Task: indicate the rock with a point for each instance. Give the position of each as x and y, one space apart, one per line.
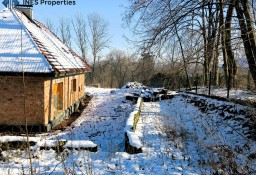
252 156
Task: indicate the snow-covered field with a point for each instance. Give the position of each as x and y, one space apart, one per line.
177 139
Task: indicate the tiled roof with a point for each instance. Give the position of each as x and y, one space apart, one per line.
28 46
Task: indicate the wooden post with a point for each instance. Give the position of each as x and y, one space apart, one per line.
209 92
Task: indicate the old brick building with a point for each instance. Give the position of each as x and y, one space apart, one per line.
41 79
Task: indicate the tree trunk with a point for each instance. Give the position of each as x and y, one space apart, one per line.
215 49
209 36
223 40
188 85
206 68
232 67
216 63
249 81
247 36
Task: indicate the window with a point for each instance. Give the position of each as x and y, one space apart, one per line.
73 85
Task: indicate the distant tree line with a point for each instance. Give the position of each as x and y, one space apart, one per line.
178 43
199 36
121 67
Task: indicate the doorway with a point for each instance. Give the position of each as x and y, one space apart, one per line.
58 96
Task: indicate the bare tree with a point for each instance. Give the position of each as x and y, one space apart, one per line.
145 67
231 62
98 39
120 66
159 23
65 30
50 25
183 56
79 26
210 15
117 68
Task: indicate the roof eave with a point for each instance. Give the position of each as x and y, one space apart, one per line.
32 74
66 74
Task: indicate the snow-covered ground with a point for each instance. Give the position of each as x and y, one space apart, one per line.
233 93
102 121
162 154
177 139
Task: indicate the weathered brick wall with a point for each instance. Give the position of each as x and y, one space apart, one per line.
35 103
19 105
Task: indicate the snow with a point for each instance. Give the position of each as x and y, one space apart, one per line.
60 52
177 138
172 93
134 139
47 143
211 131
23 43
17 138
134 85
130 121
233 93
18 52
80 144
95 91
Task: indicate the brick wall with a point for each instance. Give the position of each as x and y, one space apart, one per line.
35 103
19 104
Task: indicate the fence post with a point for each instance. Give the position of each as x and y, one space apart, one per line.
228 88
179 82
196 82
196 86
210 77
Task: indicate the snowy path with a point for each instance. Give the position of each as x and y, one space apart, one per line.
161 142
179 139
105 126
162 153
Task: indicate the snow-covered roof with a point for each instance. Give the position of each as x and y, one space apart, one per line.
28 46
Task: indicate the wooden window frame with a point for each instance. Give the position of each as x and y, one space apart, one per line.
74 85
